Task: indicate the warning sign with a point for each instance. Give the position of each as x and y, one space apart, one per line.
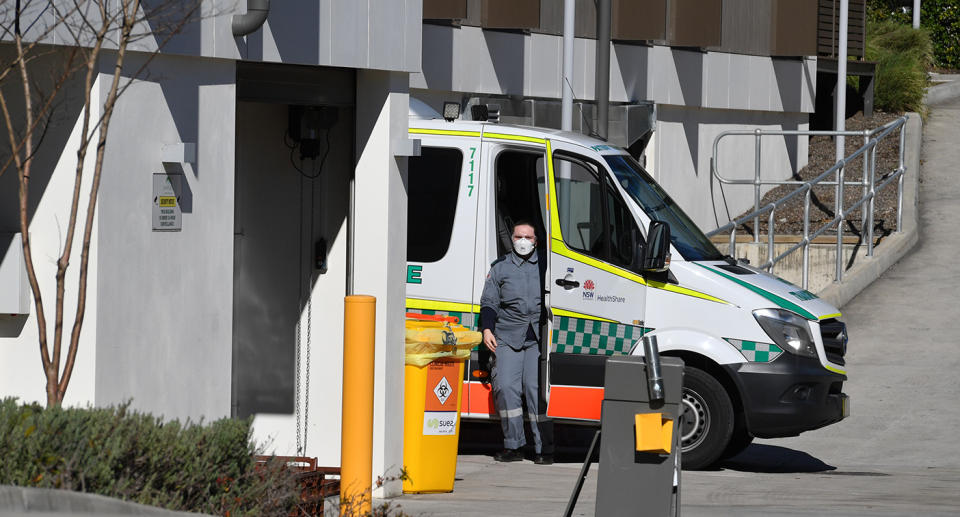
440 408
442 386
167 190
442 390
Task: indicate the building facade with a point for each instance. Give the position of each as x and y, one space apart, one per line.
286 151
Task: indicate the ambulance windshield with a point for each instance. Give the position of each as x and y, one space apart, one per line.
684 234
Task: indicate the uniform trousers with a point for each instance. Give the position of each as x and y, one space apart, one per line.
514 378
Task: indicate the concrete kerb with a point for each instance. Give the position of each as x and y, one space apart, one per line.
894 247
38 502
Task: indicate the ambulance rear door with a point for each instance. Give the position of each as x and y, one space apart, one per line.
442 188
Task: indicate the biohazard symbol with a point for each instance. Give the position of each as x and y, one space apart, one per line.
442 390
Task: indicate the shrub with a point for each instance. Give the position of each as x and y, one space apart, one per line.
121 453
903 55
941 18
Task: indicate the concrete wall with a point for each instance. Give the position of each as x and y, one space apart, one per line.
380 250
469 59
697 94
375 34
164 328
269 298
680 152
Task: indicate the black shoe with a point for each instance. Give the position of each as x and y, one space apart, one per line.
543 459
508 455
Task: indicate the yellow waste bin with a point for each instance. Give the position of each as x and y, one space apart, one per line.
436 348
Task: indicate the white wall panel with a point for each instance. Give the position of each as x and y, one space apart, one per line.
168 297
21 374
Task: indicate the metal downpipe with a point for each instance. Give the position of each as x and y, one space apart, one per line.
603 69
252 20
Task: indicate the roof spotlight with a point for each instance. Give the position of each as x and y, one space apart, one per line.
451 111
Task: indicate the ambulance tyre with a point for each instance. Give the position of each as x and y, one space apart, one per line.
707 419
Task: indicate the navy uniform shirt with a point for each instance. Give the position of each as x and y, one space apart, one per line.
512 299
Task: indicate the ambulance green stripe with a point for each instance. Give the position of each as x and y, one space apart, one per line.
786 304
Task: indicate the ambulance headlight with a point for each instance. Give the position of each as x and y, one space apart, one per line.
789 331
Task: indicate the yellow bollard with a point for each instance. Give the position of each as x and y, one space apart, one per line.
356 442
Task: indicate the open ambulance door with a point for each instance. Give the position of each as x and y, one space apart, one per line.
513 188
597 298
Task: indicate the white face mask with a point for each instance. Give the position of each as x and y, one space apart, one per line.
523 246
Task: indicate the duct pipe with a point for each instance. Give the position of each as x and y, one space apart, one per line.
841 106
250 21
916 14
566 86
603 69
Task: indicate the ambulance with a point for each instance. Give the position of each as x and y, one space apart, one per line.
764 358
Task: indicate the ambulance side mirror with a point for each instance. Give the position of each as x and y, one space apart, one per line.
656 254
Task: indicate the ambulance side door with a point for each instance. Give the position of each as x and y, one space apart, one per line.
512 189
597 296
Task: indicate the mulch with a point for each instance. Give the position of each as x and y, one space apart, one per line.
788 219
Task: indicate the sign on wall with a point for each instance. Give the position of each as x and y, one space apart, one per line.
166 202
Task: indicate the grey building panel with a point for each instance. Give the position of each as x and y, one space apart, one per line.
413 46
386 28
349 34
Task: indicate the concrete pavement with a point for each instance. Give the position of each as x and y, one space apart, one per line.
897 454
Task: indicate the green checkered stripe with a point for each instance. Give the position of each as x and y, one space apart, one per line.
756 352
592 337
471 320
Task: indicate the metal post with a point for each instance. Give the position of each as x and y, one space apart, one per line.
756 187
839 218
572 503
916 14
770 240
865 215
806 238
903 172
603 68
873 196
733 241
841 106
566 85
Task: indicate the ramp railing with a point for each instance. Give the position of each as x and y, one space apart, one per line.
833 176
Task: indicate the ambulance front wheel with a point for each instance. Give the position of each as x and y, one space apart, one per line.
707 425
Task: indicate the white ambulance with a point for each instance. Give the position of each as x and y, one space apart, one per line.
764 358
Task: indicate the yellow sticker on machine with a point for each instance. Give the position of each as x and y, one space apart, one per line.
167 201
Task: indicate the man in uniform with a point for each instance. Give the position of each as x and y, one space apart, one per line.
510 316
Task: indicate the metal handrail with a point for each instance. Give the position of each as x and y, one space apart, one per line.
868 150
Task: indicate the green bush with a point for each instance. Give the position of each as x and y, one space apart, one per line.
120 453
941 18
903 55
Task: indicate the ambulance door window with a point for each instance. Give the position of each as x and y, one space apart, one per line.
623 230
433 181
583 198
580 207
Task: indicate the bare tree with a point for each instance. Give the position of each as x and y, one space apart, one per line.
85 35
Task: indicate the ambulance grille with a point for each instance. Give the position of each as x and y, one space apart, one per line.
834 334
